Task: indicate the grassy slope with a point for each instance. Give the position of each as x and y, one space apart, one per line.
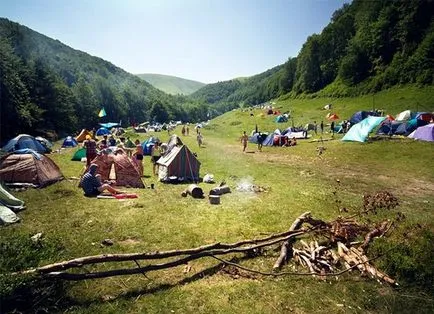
171 84
299 181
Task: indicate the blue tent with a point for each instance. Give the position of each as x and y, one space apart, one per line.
409 126
268 141
102 131
23 141
281 119
148 144
360 131
69 142
361 115
389 127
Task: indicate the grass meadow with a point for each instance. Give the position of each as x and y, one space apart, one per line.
296 180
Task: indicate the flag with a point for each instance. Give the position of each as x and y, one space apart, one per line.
102 113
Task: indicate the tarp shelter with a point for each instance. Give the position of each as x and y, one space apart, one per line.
424 133
32 168
333 117
109 125
82 136
361 115
24 141
403 116
148 144
120 168
360 131
79 154
102 131
179 162
69 142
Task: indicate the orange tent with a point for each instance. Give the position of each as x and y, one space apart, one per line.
333 117
390 117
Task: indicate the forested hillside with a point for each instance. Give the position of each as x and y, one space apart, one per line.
171 84
46 85
367 46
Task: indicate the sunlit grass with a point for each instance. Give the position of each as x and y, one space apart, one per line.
296 180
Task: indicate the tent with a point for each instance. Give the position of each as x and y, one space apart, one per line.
79 154
403 116
424 133
268 141
23 141
46 143
32 168
82 136
388 127
360 115
69 142
173 141
360 131
281 119
425 116
102 131
332 117
148 144
328 107
120 168
409 126
179 162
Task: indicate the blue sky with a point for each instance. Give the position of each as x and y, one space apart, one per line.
204 40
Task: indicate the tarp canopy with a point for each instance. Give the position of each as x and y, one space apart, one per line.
424 133
23 141
28 168
360 131
109 125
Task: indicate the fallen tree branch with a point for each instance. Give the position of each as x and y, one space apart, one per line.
375 233
287 245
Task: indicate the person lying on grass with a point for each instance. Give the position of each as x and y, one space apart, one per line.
91 183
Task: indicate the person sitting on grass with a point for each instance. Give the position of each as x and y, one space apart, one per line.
91 183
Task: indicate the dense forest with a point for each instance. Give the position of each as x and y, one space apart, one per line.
367 46
48 87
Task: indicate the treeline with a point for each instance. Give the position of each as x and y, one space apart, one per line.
48 87
367 46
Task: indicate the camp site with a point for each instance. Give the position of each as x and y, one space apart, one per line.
262 194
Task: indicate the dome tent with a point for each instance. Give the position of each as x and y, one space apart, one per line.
24 141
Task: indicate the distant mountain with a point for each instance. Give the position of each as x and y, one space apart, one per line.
171 84
46 85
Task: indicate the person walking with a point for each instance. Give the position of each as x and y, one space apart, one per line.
315 127
332 128
90 145
322 127
244 140
199 138
138 156
155 155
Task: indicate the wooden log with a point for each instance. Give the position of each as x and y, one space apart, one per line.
374 233
195 191
220 190
287 245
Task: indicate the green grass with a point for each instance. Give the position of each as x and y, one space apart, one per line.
297 181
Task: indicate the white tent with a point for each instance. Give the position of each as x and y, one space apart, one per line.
403 116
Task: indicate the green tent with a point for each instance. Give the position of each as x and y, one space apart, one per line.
79 154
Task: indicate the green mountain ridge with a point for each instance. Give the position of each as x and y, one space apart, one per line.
368 46
172 85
